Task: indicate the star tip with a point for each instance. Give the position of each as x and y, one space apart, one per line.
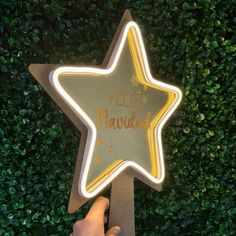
33 67
127 16
30 67
70 210
128 13
180 93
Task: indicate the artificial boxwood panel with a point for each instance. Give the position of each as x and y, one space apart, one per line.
191 44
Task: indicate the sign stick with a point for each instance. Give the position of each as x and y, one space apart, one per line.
122 204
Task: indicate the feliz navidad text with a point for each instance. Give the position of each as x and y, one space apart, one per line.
118 99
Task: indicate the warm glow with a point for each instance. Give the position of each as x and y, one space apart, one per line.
130 33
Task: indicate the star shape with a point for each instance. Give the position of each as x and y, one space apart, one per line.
118 101
111 149
106 103
97 160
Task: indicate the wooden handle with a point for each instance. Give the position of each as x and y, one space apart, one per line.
122 204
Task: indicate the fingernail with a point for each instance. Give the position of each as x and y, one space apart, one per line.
116 229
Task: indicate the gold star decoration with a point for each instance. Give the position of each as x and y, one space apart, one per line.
97 160
106 103
99 141
111 149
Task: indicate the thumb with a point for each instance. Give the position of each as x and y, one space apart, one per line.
114 231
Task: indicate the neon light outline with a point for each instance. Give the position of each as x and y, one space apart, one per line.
92 132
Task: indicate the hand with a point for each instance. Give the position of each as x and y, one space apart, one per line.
93 223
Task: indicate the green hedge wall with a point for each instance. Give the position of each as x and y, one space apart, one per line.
191 44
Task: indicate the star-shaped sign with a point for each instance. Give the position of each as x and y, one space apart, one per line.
123 109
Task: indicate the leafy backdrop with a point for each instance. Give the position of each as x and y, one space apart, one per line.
191 44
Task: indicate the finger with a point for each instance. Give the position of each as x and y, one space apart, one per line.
114 231
98 208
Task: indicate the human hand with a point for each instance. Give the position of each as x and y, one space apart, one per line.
93 223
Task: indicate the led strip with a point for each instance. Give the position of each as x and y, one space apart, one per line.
92 132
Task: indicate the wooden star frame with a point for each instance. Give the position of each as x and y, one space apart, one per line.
121 175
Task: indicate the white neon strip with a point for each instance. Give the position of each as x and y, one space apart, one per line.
92 132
